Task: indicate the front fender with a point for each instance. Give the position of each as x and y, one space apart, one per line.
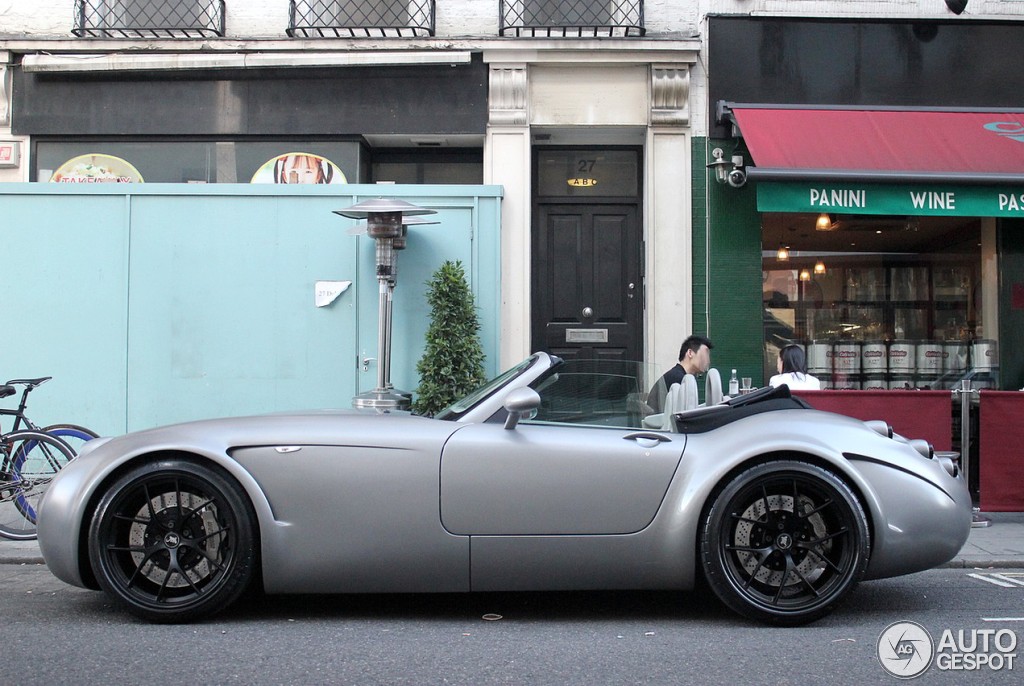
67 506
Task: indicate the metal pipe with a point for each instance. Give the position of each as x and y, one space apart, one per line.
965 430
382 335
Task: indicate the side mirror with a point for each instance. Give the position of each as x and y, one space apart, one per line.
522 402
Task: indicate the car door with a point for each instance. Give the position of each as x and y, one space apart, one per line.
554 479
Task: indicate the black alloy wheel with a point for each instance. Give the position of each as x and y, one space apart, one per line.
784 542
174 541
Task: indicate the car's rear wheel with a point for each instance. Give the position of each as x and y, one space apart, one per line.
784 542
174 540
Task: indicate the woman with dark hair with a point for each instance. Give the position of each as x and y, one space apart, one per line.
793 370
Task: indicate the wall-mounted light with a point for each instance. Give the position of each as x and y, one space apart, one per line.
824 222
782 254
819 267
805 274
728 171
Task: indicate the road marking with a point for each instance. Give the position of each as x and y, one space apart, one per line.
1010 578
996 580
1002 619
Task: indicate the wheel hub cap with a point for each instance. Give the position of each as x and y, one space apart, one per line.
172 540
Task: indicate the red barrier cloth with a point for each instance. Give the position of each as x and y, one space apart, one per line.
912 414
1001 451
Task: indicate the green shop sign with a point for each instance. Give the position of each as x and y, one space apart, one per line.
909 199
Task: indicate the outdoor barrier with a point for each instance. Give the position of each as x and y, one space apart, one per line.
1001 463
912 414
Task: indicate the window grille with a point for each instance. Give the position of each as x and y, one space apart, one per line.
360 18
572 18
149 18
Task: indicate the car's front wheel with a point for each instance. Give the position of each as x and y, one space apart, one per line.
784 542
174 540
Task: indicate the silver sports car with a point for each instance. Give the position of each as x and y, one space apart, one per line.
554 476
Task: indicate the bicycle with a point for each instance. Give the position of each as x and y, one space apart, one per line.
72 434
28 461
29 457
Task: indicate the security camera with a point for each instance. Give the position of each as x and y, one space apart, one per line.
737 178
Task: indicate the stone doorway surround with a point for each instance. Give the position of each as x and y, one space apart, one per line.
608 93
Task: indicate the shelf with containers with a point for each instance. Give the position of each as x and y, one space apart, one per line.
865 323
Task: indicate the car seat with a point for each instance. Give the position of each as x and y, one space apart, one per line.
712 387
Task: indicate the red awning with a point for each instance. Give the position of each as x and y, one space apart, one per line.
883 143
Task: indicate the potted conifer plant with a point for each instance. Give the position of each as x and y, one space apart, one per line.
452 363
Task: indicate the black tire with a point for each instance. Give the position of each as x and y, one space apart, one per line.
174 541
30 462
784 542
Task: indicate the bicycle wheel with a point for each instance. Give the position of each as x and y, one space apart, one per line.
72 434
31 458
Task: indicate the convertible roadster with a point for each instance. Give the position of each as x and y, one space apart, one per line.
553 476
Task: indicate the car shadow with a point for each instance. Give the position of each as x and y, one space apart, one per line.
526 606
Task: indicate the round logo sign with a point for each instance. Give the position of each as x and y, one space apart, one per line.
299 167
905 650
96 168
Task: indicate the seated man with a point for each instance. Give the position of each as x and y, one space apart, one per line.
694 358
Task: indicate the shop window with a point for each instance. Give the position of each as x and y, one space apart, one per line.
572 18
444 166
360 18
879 302
149 18
197 161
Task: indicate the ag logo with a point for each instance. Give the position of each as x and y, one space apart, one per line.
905 650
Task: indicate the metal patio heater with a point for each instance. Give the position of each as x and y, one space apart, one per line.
384 224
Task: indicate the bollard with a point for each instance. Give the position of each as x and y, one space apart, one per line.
965 392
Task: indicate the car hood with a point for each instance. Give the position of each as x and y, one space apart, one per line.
322 427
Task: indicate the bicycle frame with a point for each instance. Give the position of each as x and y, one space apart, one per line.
20 418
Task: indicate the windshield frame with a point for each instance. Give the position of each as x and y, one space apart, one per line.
463 405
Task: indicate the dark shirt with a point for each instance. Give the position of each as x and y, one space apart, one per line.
656 398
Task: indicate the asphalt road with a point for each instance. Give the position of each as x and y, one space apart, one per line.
52 633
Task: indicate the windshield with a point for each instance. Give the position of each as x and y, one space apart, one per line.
459 407
598 392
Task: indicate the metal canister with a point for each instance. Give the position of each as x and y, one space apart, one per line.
819 357
874 357
954 358
901 357
846 382
929 358
875 382
984 354
846 357
901 382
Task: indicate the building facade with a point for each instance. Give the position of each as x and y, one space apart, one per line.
597 119
582 112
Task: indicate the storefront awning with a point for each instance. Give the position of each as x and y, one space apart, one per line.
885 161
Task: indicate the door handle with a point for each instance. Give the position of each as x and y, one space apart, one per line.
647 436
587 313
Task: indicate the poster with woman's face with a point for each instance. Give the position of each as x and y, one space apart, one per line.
299 167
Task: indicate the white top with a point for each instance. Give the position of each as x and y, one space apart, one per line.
796 381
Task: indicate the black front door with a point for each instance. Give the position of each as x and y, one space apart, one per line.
587 292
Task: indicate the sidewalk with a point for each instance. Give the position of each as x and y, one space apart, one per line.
999 545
